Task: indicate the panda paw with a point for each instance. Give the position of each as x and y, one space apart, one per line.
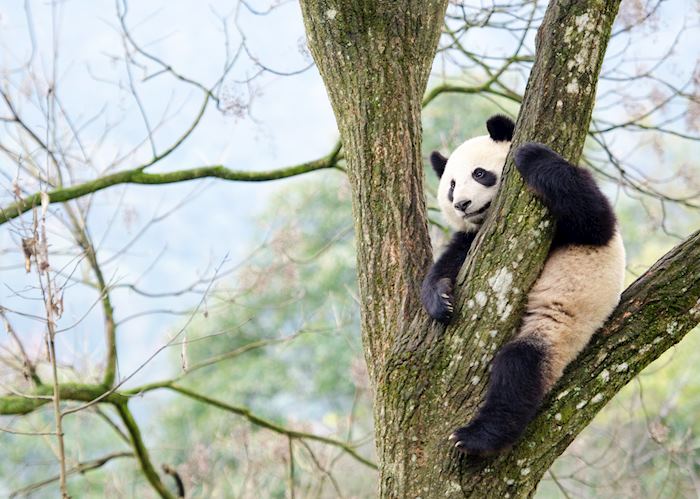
437 299
475 439
531 157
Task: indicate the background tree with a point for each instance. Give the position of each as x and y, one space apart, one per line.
288 316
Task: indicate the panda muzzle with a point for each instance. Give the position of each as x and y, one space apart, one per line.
480 211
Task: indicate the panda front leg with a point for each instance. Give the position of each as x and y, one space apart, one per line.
437 290
583 213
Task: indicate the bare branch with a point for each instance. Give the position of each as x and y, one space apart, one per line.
258 421
80 468
137 176
141 453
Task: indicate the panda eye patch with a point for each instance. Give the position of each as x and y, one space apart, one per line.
451 192
484 177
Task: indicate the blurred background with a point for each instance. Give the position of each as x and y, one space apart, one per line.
232 303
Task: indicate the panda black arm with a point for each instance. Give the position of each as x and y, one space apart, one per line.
436 292
583 213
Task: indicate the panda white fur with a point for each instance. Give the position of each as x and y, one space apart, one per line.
578 288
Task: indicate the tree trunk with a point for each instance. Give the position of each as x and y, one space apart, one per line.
374 57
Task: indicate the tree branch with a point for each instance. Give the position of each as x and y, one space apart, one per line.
257 420
375 59
24 404
445 88
138 176
515 241
142 452
82 236
79 468
27 365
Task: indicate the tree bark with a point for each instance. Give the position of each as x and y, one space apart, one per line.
374 57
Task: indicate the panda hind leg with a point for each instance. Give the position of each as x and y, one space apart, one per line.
515 392
583 213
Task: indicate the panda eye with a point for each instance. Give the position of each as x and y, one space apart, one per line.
478 173
452 184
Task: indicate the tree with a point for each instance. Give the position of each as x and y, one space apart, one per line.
375 58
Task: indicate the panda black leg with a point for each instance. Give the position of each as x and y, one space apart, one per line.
515 392
583 213
436 292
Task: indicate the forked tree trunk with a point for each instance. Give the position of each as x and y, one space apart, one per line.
375 57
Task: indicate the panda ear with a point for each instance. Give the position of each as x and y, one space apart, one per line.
438 161
500 128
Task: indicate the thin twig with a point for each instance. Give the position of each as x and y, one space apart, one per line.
79 468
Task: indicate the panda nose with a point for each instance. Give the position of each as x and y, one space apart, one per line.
463 205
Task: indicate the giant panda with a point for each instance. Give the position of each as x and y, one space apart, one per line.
578 288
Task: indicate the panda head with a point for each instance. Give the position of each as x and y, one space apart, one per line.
470 178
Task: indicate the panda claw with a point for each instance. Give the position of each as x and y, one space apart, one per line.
437 299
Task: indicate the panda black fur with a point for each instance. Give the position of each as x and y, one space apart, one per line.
578 288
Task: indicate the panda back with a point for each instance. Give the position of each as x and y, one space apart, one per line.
576 292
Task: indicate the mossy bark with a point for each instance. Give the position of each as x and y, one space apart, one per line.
83 392
374 57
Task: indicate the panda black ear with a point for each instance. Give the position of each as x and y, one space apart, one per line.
500 127
438 161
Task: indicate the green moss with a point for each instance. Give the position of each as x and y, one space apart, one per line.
14 404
